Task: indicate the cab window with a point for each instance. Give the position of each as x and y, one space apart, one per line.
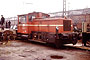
22 19
31 17
44 16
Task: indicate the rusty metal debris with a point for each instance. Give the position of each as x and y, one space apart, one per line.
6 36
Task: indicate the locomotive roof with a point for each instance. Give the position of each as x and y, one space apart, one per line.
33 13
50 18
37 12
22 15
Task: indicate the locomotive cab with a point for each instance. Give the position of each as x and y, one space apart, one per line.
26 20
22 21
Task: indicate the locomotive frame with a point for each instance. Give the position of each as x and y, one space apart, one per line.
41 27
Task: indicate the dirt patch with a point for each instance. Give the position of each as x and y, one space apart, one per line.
22 55
56 57
18 50
41 59
29 51
4 52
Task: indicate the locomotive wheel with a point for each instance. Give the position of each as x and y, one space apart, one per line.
18 36
74 40
58 43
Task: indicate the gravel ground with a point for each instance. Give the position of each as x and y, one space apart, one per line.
19 50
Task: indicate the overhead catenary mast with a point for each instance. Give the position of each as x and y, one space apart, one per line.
64 8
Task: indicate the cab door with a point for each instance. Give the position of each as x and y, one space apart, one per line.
22 24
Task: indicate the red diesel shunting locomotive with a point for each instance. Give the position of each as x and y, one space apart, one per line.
40 27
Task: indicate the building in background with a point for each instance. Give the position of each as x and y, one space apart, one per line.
13 20
78 16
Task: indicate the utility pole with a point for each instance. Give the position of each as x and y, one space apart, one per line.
68 9
64 8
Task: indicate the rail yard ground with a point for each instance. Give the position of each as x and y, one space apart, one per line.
21 50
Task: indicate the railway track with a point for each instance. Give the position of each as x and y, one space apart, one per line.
79 46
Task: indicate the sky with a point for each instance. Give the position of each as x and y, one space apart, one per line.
11 8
